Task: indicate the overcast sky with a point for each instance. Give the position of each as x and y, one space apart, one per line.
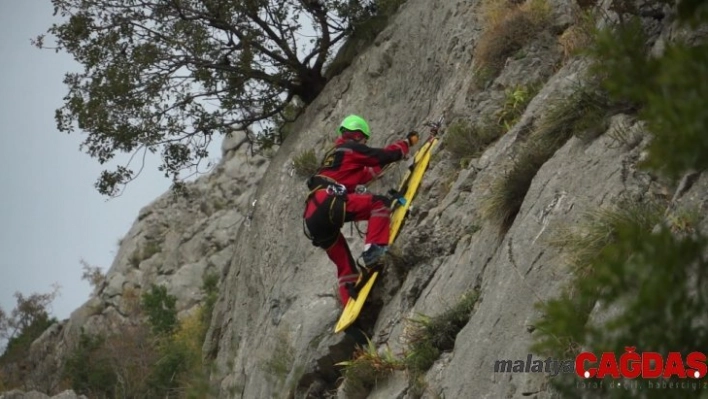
51 214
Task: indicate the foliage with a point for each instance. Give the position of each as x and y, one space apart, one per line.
177 356
165 77
189 338
210 286
306 163
466 141
666 90
566 317
508 191
19 345
16 360
160 309
630 276
599 228
160 359
88 372
584 113
645 278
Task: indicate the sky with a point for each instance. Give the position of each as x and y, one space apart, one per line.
51 216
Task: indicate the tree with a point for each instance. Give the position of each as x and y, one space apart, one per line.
26 322
93 274
161 309
167 75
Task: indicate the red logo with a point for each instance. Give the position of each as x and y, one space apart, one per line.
646 365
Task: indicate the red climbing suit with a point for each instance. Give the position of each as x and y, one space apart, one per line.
349 164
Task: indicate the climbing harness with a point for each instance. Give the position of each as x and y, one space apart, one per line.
335 206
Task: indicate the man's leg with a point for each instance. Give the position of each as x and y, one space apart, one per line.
340 254
375 209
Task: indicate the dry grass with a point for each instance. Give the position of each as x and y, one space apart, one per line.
573 40
584 114
492 12
508 27
465 141
578 36
508 191
582 242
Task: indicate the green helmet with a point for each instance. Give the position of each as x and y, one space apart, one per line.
355 123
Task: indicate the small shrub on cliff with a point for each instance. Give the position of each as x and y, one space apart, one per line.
509 190
465 141
368 367
180 366
430 336
93 274
16 358
515 101
427 338
306 163
282 360
129 354
677 118
585 113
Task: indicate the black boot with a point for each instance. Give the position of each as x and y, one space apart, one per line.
356 335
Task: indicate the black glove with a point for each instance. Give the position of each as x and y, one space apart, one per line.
412 138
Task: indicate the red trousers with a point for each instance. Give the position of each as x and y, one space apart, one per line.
324 216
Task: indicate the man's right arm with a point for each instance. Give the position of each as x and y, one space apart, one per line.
371 156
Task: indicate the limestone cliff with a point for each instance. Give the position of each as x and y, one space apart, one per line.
277 299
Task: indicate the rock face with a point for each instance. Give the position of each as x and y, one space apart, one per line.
39 395
277 301
175 242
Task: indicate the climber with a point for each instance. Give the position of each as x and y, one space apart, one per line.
333 199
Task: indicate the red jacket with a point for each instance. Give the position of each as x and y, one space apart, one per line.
351 163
